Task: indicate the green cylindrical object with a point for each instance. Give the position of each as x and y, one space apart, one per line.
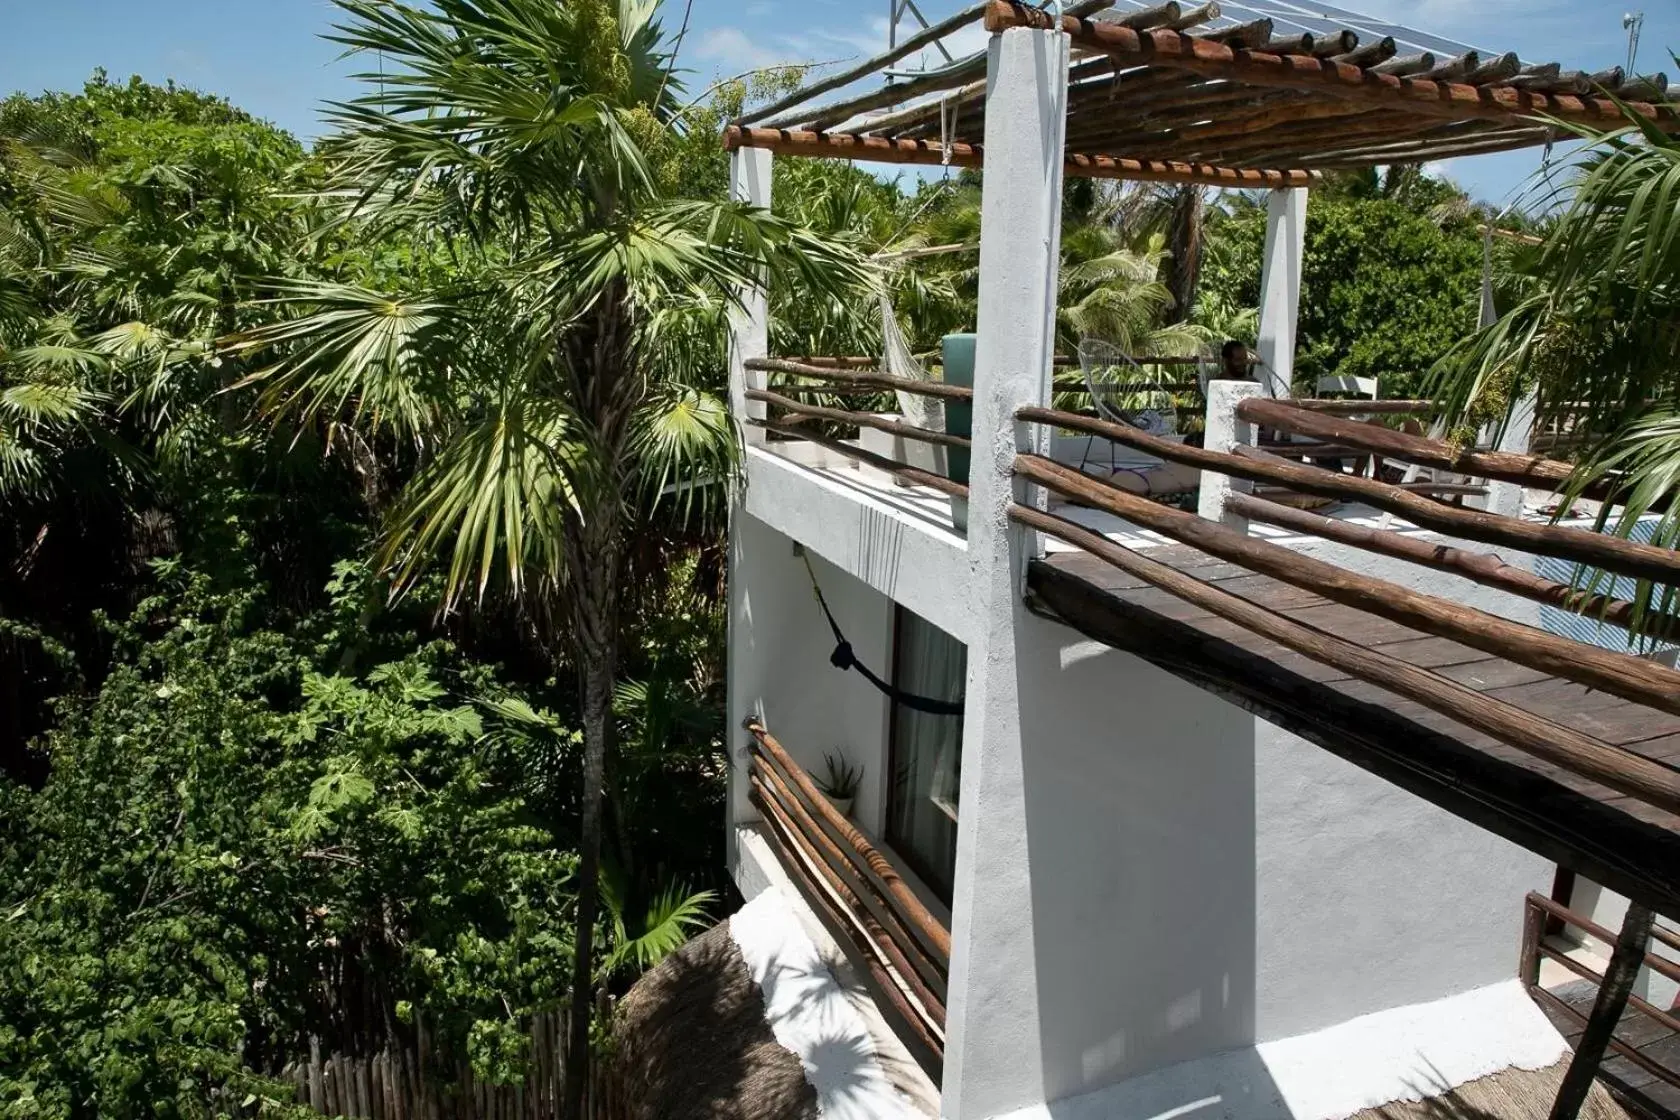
959 415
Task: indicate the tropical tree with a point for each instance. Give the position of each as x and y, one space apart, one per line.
520 138
1595 330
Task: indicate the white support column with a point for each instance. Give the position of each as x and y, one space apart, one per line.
1280 287
1226 431
1506 498
749 323
997 1066
749 337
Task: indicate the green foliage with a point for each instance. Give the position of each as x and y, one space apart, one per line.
1387 289
225 827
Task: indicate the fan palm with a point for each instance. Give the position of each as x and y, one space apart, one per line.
514 136
1596 328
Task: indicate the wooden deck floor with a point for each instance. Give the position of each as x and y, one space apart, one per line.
1635 1084
1598 831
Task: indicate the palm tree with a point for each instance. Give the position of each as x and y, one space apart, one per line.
1595 328
516 141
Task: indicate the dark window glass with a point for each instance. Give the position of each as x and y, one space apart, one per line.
926 752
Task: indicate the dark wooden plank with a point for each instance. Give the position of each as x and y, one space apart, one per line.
1629 856
1270 592
1663 747
1433 653
1605 717
1490 672
1353 624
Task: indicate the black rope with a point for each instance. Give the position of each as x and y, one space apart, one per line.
844 658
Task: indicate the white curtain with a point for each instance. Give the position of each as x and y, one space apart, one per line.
927 752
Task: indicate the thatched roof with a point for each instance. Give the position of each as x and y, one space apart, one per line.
1512 1094
693 1042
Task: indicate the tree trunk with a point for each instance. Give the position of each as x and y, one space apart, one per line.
1185 268
599 669
1607 1010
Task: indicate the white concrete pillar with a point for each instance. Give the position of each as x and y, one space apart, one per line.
749 323
1506 498
999 1067
1224 432
1280 288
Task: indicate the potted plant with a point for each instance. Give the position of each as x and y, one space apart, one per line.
840 785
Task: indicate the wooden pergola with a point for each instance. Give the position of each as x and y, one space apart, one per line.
1183 93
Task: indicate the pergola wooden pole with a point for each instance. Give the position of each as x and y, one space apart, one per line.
1632 678
1532 734
869 66
882 149
1607 1011
1445 99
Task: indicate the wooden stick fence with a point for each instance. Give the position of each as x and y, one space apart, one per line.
404 1081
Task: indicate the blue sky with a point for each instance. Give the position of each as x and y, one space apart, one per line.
266 55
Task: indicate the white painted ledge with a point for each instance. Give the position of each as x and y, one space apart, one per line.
898 540
1408 1053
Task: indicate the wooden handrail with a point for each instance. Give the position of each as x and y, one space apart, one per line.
883 380
933 973
1502 466
1360 408
1482 567
1580 754
1643 1061
1632 678
935 936
1660 965
862 419
1596 550
915 476
860 922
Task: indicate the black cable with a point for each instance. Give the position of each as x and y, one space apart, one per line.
844 658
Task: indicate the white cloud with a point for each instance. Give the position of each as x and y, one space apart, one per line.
732 50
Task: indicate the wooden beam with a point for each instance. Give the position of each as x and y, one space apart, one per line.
913 476
1446 99
881 149
1619 674
1482 567
1595 550
1633 857
864 69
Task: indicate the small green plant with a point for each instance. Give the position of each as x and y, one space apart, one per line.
843 778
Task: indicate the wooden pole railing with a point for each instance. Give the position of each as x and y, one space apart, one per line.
927 974
1595 550
1368 408
1481 567
862 419
914 476
1537 909
1632 678
1297 417
878 380
1580 754
936 939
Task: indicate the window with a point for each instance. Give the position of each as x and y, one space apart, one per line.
926 751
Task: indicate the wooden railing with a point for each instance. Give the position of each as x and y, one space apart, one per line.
1537 910
857 891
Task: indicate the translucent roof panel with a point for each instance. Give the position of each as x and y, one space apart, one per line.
1293 18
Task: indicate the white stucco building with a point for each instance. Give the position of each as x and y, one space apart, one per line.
1166 896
